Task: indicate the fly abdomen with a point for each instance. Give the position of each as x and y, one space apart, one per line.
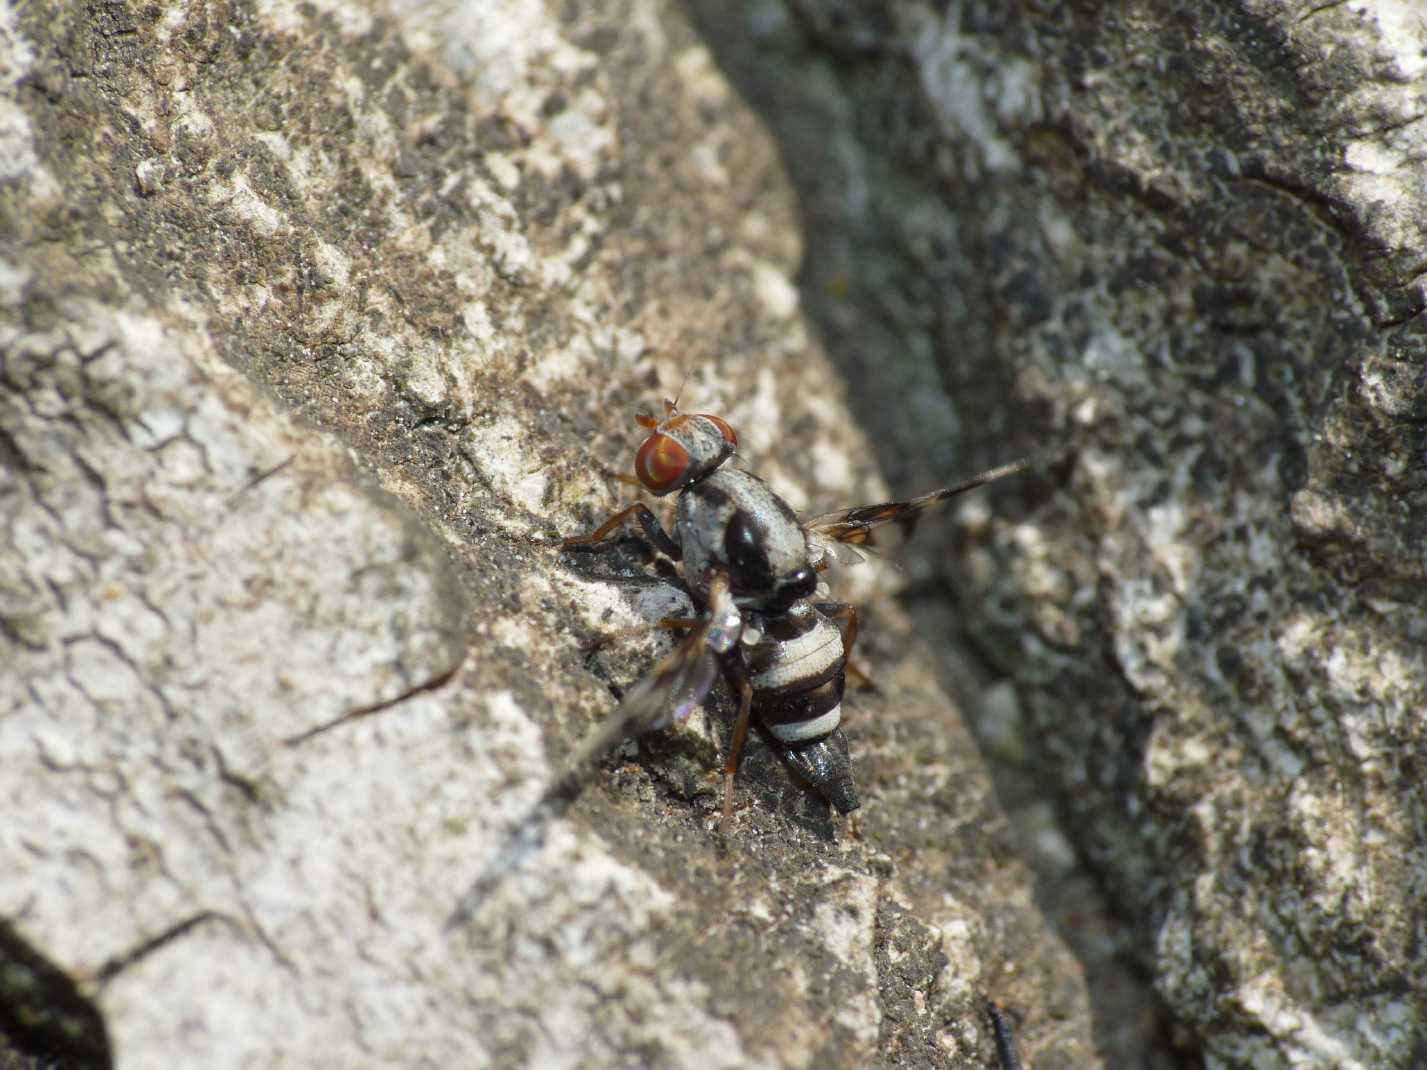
804 727
800 716
797 669
797 666
826 765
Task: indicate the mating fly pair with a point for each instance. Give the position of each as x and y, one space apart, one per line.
754 571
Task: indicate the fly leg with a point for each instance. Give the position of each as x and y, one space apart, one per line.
844 615
663 624
735 745
653 531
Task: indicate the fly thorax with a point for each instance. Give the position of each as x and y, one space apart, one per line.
733 522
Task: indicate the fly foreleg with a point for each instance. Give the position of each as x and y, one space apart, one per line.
648 522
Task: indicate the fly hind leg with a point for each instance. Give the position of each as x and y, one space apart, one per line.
844 615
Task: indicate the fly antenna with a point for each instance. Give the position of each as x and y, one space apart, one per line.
673 405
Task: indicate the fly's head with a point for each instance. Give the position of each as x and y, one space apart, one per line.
681 449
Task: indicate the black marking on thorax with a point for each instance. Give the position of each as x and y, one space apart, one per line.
738 524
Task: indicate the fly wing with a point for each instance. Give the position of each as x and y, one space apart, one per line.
824 551
677 684
834 533
670 692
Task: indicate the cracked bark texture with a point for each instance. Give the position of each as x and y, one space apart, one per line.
317 326
1185 243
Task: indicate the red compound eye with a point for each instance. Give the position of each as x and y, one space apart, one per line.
660 463
729 435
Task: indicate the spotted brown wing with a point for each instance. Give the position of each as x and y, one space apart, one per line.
831 534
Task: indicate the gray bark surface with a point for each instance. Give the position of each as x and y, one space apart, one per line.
318 327
1184 243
